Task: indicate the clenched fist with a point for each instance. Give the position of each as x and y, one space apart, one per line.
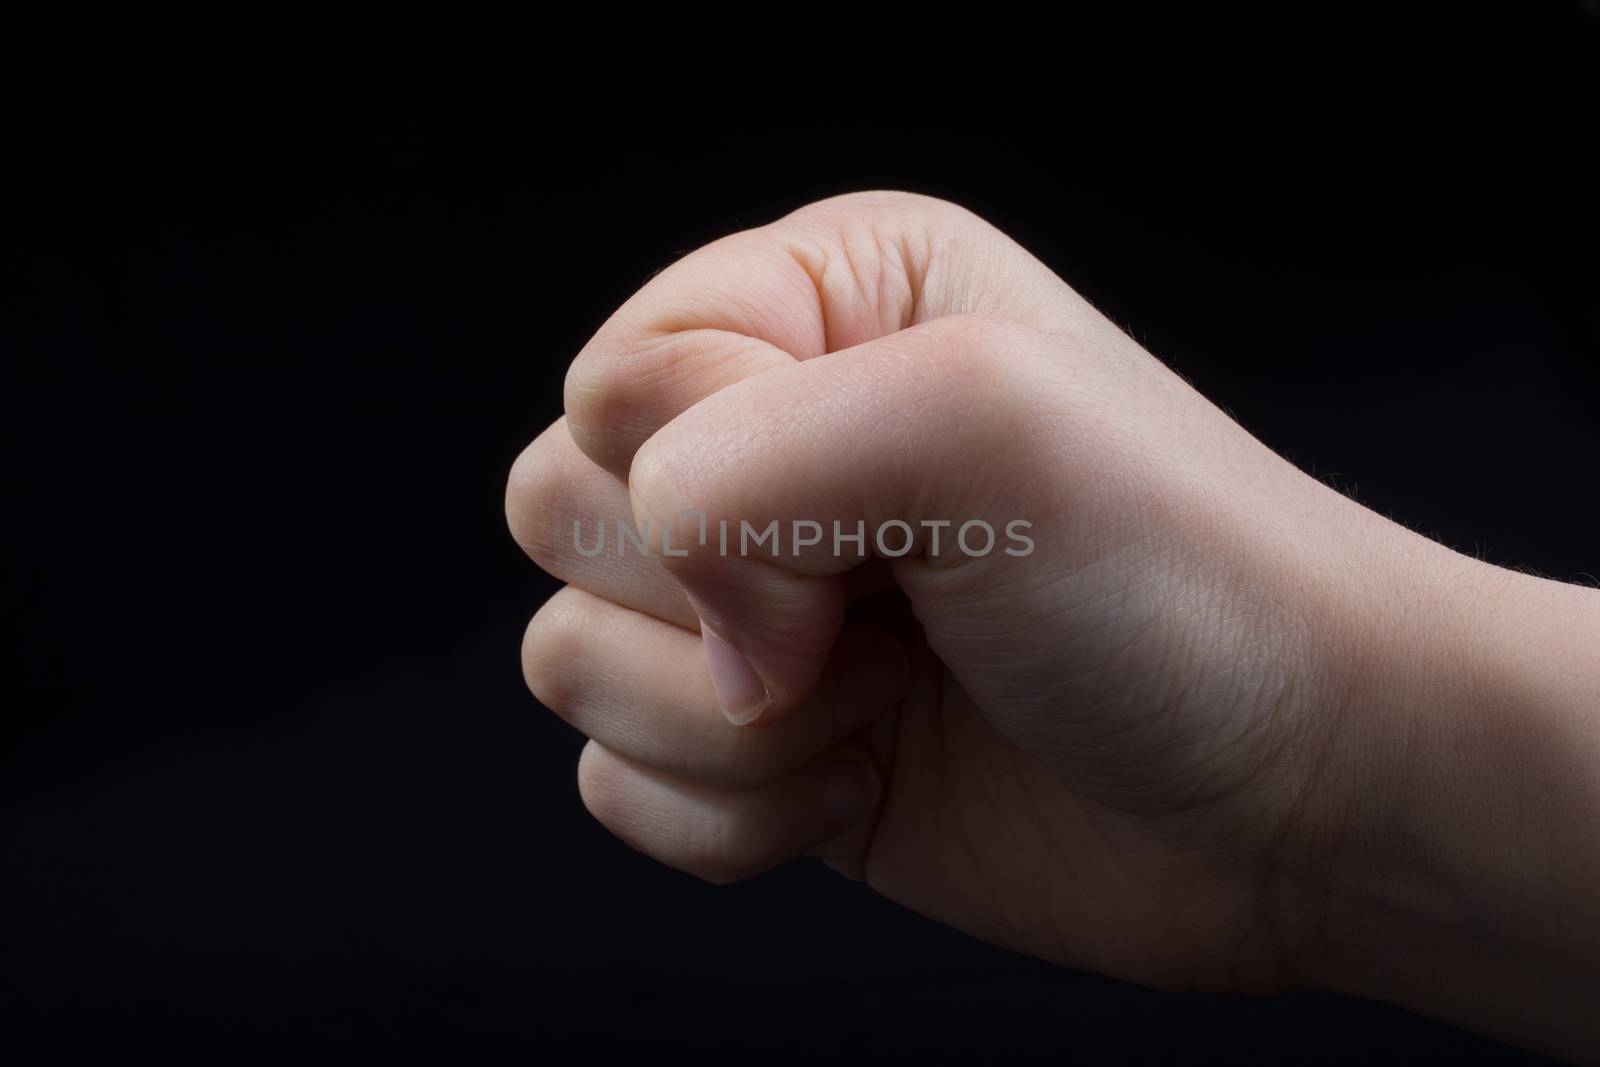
882 545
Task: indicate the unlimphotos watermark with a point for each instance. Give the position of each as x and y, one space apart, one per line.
891 538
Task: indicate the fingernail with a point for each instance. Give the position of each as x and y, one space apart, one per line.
740 690
848 791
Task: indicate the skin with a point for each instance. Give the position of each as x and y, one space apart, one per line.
1223 729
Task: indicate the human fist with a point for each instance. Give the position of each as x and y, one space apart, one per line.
1122 736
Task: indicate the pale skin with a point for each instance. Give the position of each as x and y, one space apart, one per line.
1223 728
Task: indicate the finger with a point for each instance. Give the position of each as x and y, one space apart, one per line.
639 687
932 424
829 276
567 514
723 835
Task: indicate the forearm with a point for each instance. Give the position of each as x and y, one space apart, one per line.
1447 853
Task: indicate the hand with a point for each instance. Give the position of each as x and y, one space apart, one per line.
1166 743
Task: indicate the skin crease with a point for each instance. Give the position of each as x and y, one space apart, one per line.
1223 729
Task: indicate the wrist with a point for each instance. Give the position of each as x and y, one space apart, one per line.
1445 850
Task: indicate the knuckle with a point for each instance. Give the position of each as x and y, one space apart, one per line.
716 848
552 644
971 355
883 247
598 787
658 478
536 485
979 373
589 395
611 388
894 203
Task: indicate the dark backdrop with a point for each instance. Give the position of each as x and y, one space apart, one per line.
282 316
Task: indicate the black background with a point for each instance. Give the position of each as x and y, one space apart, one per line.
284 307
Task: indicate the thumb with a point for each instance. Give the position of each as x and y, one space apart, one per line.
923 447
